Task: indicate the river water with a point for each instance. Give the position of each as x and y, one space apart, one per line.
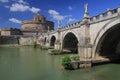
27 63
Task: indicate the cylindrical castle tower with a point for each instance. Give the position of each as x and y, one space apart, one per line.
39 24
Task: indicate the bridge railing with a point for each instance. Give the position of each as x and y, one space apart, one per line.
76 24
106 14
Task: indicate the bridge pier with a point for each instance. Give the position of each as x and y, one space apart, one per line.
57 45
47 43
57 42
85 53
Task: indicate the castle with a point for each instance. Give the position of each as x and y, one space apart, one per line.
39 24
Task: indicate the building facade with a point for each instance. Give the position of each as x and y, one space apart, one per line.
10 31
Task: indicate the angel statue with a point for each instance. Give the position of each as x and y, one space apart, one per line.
86 8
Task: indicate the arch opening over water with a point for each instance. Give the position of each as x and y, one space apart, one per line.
109 44
52 41
70 43
45 40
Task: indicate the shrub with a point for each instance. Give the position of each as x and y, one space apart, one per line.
66 62
74 57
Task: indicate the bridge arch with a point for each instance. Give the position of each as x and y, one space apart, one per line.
52 41
70 31
70 42
107 42
45 40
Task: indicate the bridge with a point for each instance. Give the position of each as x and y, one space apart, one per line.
93 38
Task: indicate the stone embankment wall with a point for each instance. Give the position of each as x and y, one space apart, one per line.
17 40
27 40
8 40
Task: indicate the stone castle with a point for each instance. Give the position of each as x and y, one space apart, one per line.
30 27
38 24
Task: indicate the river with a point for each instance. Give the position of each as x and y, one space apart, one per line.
27 63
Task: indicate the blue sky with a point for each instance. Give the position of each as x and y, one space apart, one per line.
12 12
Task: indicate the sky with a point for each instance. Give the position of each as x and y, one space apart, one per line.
13 12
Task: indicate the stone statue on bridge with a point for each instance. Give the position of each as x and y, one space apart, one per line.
86 8
86 14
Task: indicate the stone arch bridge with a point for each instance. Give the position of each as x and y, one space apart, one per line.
93 38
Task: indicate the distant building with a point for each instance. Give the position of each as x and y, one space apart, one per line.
38 24
10 31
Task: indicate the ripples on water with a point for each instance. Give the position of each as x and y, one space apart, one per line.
27 63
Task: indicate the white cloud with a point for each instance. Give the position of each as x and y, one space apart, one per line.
19 7
4 1
70 8
14 20
71 20
22 8
34 10
53 12
56 15
59 17
22 1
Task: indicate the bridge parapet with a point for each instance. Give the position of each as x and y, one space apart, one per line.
52 32
72 25
106 15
